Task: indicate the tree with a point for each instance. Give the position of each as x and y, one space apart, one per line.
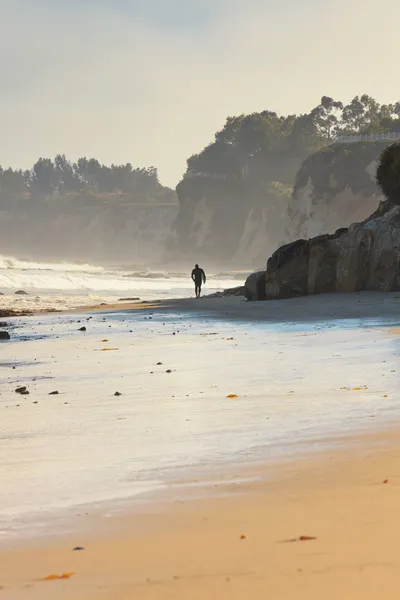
44 178
68 180
388 173
12 182
326 117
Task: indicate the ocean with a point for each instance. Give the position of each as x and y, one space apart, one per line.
63 286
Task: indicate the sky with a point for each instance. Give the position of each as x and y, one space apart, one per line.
151 81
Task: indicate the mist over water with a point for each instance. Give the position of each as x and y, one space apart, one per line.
66 285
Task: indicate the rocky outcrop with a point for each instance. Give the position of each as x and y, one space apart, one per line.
334 188
366 256
255 286
241 221
227 222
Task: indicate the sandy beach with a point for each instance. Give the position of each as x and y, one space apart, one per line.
244 544
237 428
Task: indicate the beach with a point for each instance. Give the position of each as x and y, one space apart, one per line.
190 439
246 543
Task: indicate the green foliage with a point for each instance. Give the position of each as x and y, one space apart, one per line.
340 166
388 173
85 178
267 147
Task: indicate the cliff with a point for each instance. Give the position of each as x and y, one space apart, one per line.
227 221
87 228
334 188
239 221
363 257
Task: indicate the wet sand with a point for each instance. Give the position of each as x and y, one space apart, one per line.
281 460
244 544
359 305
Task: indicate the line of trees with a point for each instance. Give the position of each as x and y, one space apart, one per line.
272 147
60 176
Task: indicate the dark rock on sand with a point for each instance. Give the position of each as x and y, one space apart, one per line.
364 257
255 286
22 390
21 293
117 394
55 393
4 335
82 329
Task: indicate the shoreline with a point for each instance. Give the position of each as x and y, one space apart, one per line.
240 542
333 306
304 308
315 376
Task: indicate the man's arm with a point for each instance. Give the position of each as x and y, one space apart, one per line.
193 277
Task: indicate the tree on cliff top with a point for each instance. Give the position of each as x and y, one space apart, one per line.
267 147
48 176
388 173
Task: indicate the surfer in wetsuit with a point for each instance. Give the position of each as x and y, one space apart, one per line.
198 277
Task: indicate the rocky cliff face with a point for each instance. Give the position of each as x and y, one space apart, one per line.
112 233
334 188
225 221
364 257
241 222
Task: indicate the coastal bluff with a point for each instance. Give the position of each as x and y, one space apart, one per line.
241 220
362 257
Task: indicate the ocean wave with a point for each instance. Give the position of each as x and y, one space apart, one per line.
10 263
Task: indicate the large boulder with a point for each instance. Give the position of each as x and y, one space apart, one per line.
369 257
366 256
287 271
255 286
322 265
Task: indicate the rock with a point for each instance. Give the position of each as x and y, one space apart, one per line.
369 257
21 293
82 328
287 271
168 371
3 324
128 299
22 390
236 291
55 393
4 335
366 256
255 286
323 254
117 394
1 294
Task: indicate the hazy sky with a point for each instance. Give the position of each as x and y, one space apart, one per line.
150 81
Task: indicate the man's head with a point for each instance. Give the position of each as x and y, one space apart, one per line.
196 266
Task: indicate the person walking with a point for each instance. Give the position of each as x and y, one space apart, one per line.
199 277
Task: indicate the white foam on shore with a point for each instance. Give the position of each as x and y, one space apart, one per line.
65 285
87 446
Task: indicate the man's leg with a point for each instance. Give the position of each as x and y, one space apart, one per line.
196 289
199 288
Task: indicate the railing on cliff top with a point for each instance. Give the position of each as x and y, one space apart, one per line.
370 137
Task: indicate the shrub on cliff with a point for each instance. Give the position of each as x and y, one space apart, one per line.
388 173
